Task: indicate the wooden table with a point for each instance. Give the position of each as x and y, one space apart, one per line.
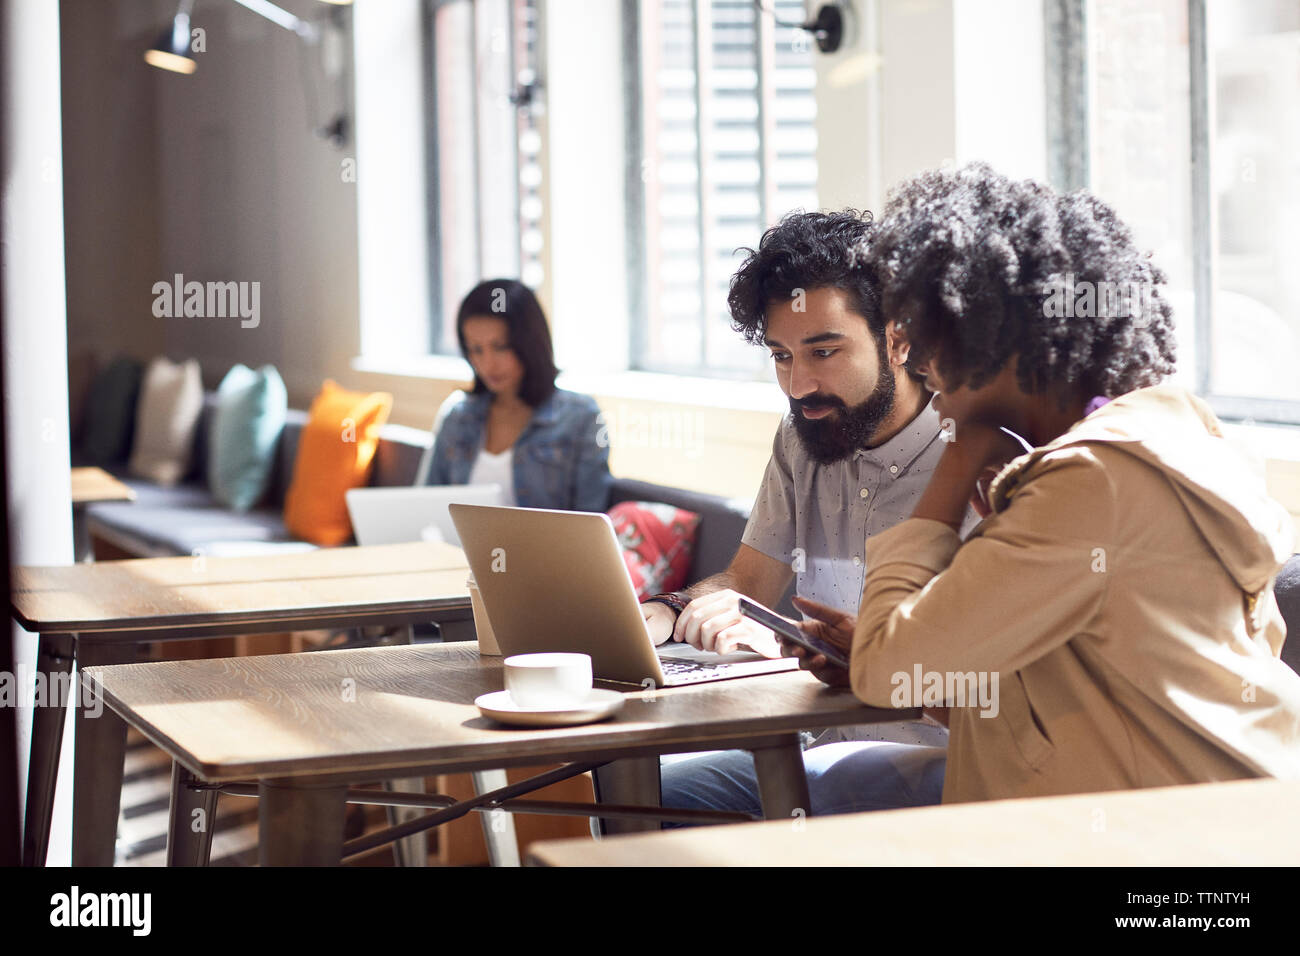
100 613
1244 822
90 486
304 726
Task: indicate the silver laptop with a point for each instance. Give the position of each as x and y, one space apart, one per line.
556 581
399 515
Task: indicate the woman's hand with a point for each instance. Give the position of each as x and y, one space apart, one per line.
980 500
827 624
970 461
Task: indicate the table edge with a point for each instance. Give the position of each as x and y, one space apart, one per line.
564 749
306 616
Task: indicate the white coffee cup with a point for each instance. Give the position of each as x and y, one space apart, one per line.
548 681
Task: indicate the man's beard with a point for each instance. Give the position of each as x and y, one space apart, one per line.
840 434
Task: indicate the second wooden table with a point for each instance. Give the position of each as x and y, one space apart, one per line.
100 614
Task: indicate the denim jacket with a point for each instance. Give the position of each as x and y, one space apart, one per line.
561 459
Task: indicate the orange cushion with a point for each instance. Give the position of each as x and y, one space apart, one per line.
335 451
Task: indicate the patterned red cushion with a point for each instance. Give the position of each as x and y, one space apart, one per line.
657 540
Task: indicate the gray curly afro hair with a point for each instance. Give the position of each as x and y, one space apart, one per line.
977 267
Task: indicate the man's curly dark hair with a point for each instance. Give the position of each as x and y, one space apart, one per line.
977 267
806 250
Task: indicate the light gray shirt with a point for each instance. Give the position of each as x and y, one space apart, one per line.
817 518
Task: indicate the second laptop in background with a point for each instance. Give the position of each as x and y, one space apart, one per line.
399 515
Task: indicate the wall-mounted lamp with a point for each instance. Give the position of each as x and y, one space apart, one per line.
172 51
827 28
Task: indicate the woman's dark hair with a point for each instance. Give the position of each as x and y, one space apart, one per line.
527 333
807 250
976 267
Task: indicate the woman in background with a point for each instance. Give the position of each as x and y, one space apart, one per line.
544 446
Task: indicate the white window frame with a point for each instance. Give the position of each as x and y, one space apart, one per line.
643 283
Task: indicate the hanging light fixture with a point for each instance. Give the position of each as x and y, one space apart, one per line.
172 51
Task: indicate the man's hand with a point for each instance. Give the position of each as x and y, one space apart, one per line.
827 624
713 622
659 621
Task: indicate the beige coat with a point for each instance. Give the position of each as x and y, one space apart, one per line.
1121 597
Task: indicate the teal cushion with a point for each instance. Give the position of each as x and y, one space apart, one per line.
110 413
242 433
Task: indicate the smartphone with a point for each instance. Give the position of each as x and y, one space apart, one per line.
787 630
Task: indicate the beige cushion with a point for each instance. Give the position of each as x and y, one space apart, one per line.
171 397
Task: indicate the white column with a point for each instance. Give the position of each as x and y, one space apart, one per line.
35 347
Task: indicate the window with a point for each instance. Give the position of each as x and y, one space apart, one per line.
1253 127
1223 216
720 129
484 151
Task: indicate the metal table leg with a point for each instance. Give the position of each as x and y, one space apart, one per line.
97 771
300 823
498 825
54 661
190 821
631 781
414 849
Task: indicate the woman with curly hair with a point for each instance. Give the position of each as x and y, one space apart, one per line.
1110 624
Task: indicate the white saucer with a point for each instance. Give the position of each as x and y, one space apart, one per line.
500 706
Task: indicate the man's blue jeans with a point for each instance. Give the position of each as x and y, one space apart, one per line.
842 778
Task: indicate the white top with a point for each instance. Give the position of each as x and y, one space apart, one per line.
499 469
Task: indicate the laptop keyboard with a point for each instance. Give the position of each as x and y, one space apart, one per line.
686 672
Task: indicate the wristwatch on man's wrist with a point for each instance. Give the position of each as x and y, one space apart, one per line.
677 600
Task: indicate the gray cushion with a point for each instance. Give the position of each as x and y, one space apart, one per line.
110 413
199 456
397 460
192 494
286 455
182 520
